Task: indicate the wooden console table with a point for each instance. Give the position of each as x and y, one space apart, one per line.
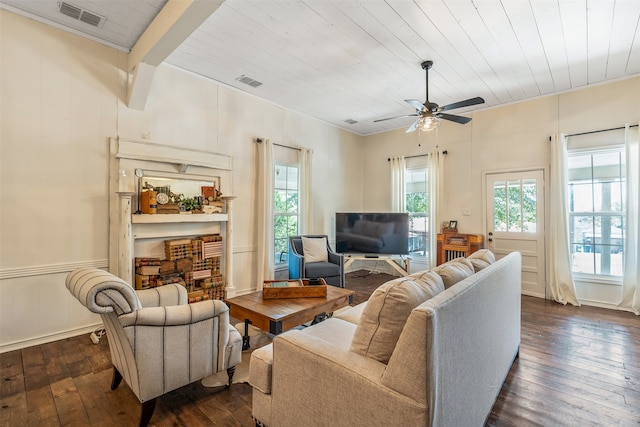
404 271
454 245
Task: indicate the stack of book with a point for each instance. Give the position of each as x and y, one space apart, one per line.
177 249
147 271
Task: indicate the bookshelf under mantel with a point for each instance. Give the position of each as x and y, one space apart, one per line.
131 233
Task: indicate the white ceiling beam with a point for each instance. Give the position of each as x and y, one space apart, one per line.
175 22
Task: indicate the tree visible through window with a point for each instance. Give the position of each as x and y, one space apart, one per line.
417 205
596 211
515 206
285 210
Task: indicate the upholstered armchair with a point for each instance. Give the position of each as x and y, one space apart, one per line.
320 260
158 342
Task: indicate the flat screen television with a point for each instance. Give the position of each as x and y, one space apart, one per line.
372 233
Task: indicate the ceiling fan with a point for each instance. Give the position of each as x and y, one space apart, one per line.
430 113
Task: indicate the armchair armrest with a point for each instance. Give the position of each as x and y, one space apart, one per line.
296 264
171 294
348 386
335 258
176 315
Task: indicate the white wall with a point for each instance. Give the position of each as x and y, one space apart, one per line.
62 98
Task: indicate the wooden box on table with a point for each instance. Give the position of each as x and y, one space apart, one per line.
294 288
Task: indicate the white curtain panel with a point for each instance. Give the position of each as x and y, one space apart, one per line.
435 168
306 208
264 195
631 278
398 166
561 284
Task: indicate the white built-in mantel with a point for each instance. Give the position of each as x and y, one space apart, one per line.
143 235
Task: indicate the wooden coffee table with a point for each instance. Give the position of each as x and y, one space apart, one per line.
279 315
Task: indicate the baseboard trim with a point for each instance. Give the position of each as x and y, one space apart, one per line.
18 345
600 304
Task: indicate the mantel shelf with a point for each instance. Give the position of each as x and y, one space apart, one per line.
174 218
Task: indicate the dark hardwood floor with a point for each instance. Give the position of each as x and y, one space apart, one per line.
578 366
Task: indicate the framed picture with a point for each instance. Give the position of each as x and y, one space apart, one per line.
453 224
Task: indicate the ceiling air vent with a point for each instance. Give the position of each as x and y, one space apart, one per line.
81 14
351 121
248 81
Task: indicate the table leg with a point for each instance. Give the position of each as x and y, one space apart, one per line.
246 339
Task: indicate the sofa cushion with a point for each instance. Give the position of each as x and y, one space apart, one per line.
351 314
321 269
315 249
454 271
481 259
260 368
387 311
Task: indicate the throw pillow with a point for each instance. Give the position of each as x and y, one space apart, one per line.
484 254
315 249
478 264
481 259
454 271
387 311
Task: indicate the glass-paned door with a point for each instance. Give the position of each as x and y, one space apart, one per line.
515 222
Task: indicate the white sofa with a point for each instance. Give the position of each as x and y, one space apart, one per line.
451 357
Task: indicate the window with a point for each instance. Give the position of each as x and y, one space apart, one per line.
515 205
285 210
597 211
417 205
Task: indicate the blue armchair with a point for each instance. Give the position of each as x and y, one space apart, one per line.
332 271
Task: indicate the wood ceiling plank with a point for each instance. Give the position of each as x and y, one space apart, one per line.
626 17
525 27
498 24
549 23
599 28
573 15
487 58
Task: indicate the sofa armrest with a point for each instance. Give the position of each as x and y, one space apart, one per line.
312 378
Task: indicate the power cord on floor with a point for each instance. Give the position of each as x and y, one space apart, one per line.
97 334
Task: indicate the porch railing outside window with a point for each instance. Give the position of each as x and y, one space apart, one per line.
417 205
596 212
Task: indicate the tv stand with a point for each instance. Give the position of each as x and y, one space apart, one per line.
404 271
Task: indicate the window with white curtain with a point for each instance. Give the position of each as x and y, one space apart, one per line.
417 206
286 201
597 188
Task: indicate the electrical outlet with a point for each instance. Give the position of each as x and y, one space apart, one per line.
466 212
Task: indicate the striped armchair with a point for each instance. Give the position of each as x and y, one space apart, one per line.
158 342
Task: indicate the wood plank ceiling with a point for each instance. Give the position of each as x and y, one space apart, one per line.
340 60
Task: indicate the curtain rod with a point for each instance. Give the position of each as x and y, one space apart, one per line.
417 155
601 130
259 141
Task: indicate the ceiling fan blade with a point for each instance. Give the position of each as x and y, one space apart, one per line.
458 119
413 127
465 103
419 106
396 117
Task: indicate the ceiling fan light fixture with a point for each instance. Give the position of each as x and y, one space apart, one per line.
427 124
